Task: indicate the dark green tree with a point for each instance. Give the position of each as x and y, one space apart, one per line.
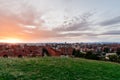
106 49
118 51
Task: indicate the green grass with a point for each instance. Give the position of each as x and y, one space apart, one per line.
51 68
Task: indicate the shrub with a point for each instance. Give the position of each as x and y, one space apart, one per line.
74 51
82 54
113 58
90 55
118 51
118 60
77 53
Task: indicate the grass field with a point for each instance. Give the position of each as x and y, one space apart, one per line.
51 68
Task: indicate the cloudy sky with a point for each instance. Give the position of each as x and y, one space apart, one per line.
60 20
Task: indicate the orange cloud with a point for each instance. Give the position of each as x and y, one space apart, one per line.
10 24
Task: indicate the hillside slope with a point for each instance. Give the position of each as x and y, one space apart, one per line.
51 68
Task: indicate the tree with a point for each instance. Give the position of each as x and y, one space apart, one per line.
74 51
106 49
91 55
118 51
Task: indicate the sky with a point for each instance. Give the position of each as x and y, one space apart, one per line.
59 21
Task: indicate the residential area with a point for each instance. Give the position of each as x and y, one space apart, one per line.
97 51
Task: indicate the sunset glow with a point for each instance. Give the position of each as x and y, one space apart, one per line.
59 21
11 40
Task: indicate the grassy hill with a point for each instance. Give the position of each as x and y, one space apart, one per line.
51 68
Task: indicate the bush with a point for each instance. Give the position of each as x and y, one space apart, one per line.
118 60
90 55
118 51
74 51
82 54
77 53
113 58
